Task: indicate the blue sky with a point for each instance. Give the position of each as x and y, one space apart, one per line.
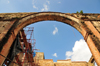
57 40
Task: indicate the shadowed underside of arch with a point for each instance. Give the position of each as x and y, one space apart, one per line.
82 22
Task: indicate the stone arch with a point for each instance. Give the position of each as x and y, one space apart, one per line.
62 17
53 16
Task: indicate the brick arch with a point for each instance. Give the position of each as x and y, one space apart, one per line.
52 16
61 17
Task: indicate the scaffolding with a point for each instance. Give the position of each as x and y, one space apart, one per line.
27 44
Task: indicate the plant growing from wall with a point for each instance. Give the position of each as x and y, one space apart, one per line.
77 12
81 12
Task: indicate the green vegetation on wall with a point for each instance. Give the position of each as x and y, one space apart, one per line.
81 12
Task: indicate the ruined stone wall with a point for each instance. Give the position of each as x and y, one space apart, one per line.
40 61
49 62
11 23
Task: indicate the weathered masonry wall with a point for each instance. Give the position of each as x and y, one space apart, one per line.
87 24
40 61
49 62
61 63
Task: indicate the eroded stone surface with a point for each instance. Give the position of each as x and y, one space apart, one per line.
16 21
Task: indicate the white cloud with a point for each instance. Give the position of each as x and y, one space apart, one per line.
68 53
41 5
55 31
59 2
48 1
55 54
35 7
80 52
45 8
8 1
